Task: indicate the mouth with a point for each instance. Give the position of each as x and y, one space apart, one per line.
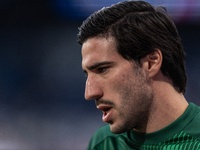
107 112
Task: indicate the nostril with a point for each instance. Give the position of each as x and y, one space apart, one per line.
93 89
93 94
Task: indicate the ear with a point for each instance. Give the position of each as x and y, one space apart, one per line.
153 62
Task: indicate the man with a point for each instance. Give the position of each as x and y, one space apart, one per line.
135 66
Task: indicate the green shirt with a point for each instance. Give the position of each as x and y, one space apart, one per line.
182 134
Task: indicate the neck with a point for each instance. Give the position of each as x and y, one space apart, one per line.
167 106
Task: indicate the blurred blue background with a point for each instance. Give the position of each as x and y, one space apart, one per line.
42 102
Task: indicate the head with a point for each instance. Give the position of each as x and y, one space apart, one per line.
121 88
139 29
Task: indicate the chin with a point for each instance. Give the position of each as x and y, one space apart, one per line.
118 129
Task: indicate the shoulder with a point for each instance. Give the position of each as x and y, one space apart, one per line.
195 113
101 136
193 128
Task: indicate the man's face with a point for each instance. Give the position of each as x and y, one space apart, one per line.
120 87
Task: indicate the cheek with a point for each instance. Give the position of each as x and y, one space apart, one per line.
113 88
122 88
119 81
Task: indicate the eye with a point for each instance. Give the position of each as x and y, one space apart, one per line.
102 69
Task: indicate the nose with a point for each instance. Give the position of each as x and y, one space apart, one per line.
93 89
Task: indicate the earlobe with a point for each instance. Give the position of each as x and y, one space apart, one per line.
154 62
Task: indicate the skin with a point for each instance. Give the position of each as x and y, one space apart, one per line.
129 90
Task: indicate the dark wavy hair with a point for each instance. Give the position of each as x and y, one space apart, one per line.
139 29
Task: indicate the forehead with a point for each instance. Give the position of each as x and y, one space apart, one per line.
99 49
98 45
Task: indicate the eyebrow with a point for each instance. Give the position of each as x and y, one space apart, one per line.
98 64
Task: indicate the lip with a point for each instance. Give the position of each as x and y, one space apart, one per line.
107 112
